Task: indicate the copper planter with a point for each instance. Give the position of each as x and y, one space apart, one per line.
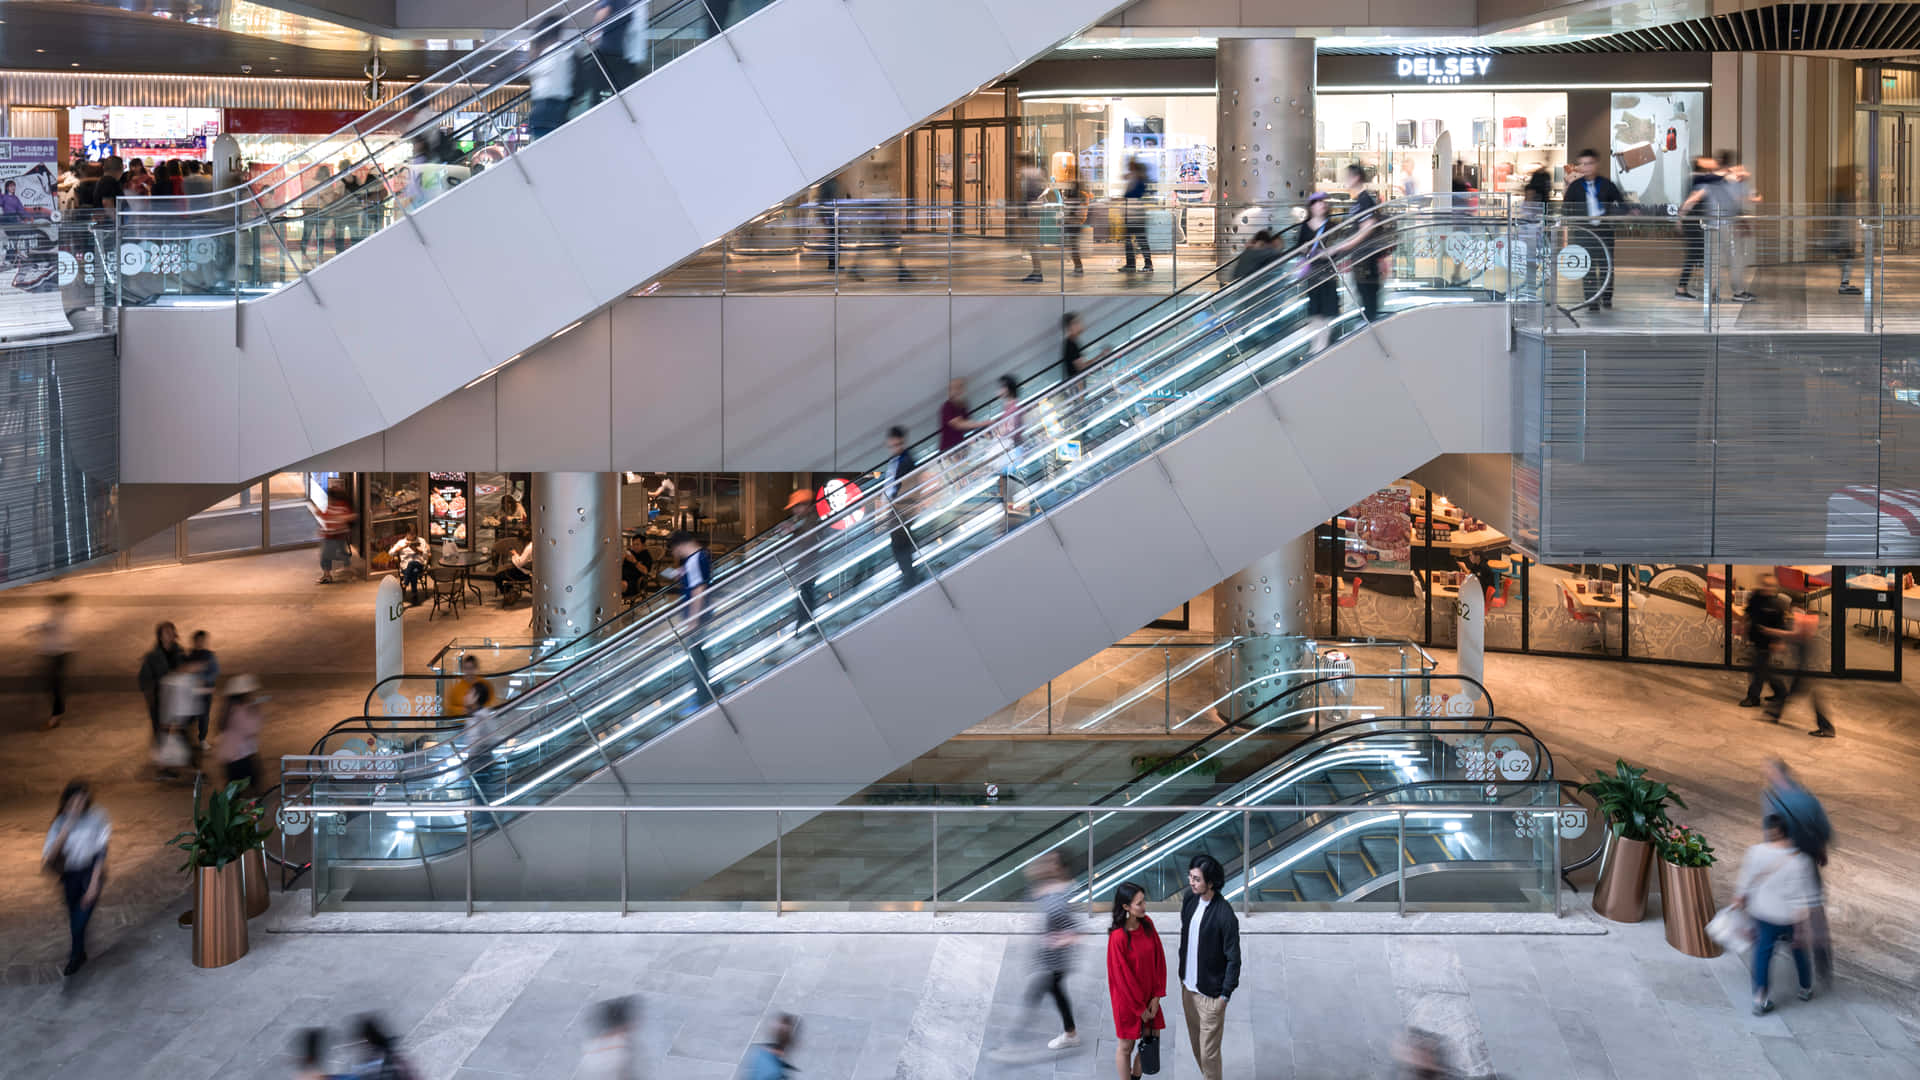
1686 902
1621 893
254 884
219 916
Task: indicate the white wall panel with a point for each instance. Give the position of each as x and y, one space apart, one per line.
1001 592
778 383
666 383
809 726
923 77
180 395
405 336
1215 466
296 336
516 292
270 428
888 666
559 416
456 432
360 455
824 121
1032 28
643 216
1453 407
701 115
998 335
1134 546
890 367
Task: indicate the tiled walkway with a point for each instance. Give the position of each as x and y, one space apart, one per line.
945 1003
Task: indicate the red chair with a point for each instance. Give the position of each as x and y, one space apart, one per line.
1497 597
1716 607
1590 618
1791 580
1352 599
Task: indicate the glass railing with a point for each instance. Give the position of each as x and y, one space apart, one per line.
421 142
635 683
1486 853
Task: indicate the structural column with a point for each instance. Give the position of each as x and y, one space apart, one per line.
576 553
1266 120
1265 602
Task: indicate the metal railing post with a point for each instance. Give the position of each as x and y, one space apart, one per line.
469 816
1093 901
1558 909
1246 859
1049 706
1400 862
779 898
1166 688
1869 284
936 861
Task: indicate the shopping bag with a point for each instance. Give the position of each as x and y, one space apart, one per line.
171 751
1149 1050
1733 930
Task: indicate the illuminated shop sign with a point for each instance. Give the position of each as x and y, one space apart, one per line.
1442 70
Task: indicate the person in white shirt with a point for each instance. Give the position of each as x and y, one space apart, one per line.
1777 890
1209 960
76 848
609 1054
550 82
183 694
410 555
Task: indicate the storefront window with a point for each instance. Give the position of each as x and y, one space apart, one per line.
290 515
1094 138
1575 609
393 502
1492 141
1679 612
232 524
499 507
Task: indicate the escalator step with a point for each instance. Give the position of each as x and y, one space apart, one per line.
1431 847
1315 885
1275 892
1383 849
1352 869
1347 785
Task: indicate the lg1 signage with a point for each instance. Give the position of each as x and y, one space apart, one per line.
1442 70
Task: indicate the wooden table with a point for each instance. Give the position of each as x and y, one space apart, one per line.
1477 540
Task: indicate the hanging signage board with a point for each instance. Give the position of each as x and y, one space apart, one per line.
30 266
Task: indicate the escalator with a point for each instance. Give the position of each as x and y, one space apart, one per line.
1224 420
489 222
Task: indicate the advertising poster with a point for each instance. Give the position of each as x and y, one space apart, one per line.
31 271
1653 139
1384 529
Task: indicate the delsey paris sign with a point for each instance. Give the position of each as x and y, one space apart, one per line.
1442 70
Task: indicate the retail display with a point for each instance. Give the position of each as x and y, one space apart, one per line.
448 494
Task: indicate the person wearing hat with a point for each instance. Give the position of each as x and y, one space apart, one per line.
801 516
240 731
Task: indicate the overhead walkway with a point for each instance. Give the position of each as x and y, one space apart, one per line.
1220 426
481 244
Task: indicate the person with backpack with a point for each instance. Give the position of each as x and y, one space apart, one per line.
384 1061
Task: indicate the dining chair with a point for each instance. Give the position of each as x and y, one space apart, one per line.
449 591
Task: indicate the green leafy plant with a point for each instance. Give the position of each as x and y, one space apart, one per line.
1192 763
1634 806
1682 845
227 827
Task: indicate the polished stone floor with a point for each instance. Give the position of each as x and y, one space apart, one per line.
948 1001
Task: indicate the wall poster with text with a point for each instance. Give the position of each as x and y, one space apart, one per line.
30 269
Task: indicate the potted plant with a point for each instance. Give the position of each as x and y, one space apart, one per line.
1635 809
1686 896
224 830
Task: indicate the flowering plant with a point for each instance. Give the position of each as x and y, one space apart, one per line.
1682 845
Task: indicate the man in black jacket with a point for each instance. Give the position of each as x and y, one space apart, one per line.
899 463
1596 199
1209 960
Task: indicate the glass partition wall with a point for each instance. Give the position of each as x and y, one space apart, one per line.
1394 565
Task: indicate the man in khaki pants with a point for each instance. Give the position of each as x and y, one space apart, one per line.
1209 960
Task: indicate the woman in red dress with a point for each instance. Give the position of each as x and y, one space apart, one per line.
1136 974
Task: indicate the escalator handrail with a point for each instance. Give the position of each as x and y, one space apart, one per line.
1278 271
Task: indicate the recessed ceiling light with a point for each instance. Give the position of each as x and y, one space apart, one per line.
39 50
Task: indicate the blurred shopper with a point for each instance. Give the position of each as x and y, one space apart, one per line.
636 568
383 1060
1736 239
1694 211
1134 218
696 580
550 82
1841 227
83 192
899 464
954 424
1777 891
316 221
1797 647
409 553
76 850
1136 975
54 643
1365 251
196 178
310 1055
1073 359
157 665
106 194
183 696
209 665
1010 429
1032 187
610 1053
471 693
1313 247
1766 639
1074 208
1594 199
240 725
138 180
773 1059
1209 960
1047 879
1812 834
1419 1054
802 515
336 523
